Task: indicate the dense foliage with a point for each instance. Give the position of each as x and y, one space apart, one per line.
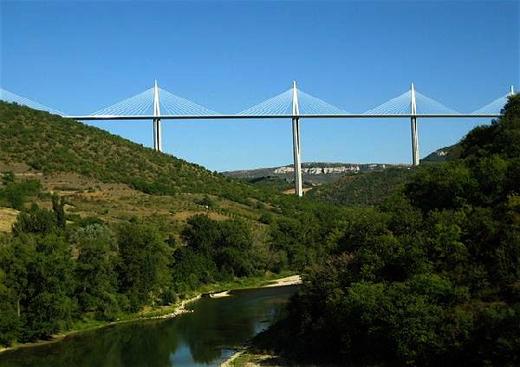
55 272
52 275
15 194
367 188
431 277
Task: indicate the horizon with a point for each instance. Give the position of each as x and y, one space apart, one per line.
291 165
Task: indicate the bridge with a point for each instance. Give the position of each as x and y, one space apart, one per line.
157 104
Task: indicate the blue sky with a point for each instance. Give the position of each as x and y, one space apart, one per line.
79 56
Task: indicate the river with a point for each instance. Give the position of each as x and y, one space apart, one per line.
205 337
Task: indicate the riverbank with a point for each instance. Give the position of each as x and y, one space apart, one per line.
170 311
245 358
164 312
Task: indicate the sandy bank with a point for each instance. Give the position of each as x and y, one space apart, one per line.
292 280
230 361
219 294
246 359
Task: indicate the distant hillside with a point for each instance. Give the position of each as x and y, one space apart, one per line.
342 183
368 188
372 187
314 173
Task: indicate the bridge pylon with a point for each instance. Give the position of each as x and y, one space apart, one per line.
298 185
413 124
157 135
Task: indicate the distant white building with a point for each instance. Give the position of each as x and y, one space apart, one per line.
318 170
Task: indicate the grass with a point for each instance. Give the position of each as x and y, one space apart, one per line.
7 219
113 203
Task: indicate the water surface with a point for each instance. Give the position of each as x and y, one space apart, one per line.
205 337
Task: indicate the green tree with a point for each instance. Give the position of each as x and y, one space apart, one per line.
35 220
233 251
446 186
8 178
191 269
58 204
50 304
228 244
201 233
40 274
15 193
95 270
9 319
144 264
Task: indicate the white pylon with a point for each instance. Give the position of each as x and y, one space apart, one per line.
157 136
298 185
512 91
413 123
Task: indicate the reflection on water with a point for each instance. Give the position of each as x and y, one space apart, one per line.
204 337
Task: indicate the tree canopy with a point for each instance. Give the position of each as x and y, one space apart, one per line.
431 277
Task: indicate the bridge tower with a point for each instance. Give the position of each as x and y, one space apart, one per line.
157 136
298 187
413 123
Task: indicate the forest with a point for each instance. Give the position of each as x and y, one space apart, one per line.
54 273
65 262
429 277
58 269
427 273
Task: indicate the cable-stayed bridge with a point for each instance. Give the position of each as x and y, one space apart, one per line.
158 104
